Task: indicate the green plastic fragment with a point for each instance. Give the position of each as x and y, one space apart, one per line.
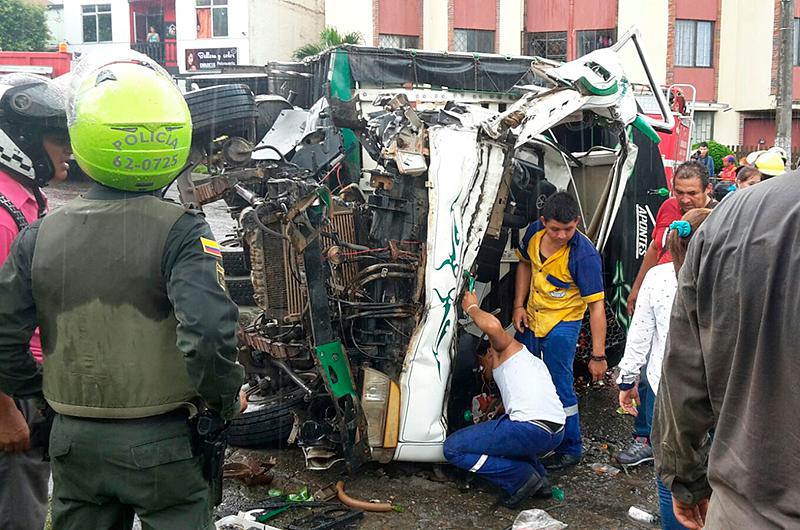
275 493
397 508
336 367
645 129
264 517
558 494
301 496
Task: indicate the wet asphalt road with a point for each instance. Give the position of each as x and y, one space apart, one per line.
592 501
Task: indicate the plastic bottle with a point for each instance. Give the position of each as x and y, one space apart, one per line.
641 515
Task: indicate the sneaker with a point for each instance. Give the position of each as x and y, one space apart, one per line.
560 461
638 452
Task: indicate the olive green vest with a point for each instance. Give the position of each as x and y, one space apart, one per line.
107 326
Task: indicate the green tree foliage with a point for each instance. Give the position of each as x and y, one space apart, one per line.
717 151
328 38
23 26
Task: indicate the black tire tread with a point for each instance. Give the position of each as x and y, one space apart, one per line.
271 424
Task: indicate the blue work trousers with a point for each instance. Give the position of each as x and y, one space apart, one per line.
668 520
557 350
644 420
505 452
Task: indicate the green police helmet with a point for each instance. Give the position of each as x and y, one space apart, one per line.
130 126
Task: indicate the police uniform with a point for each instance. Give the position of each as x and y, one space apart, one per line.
137 329
561 287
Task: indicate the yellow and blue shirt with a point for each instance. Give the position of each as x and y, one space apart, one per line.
563 284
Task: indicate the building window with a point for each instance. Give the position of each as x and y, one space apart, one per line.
473 40
97 23
550 45
693 43
212 18
594 39
398 41
703 127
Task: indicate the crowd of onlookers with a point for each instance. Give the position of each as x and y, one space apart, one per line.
748 170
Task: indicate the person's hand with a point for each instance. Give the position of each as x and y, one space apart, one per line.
692 516
632 301
15 436
627 399
598 369
469 300
242 401
519 317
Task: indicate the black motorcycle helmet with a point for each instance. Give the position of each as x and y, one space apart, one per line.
30 107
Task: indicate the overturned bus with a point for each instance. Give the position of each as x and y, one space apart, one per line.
360 220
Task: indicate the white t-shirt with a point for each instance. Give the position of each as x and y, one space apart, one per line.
527 389
647 335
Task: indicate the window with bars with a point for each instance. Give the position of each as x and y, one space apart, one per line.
212 18
398 41
96 23
594 39
703 127
550 45
693 43
473 40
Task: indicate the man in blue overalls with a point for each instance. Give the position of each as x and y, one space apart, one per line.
559 274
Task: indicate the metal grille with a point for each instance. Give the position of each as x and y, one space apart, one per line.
283 290
274 269
594 39
398 41
344 225
295 293
549 44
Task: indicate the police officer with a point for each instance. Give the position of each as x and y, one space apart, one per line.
34 149
137 329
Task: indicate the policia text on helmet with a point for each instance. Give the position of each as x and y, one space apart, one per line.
130 126
34 142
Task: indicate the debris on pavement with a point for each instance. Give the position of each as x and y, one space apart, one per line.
605 469
536 520
251 471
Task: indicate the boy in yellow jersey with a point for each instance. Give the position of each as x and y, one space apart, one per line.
559 274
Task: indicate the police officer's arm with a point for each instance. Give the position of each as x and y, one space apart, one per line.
207 318
19 373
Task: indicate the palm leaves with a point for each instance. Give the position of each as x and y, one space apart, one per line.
328 38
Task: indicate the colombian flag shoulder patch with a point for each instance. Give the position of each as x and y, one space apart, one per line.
211 247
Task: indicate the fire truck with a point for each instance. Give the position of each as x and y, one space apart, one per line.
675 145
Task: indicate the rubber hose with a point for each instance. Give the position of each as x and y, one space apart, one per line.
358 504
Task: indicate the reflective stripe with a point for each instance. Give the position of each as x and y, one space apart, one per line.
479 464
571 411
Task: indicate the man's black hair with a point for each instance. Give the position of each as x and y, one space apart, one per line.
561 207
703 144
691 170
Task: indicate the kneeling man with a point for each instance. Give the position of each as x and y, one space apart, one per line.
506 450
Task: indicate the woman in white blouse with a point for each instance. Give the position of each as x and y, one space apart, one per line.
647 335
